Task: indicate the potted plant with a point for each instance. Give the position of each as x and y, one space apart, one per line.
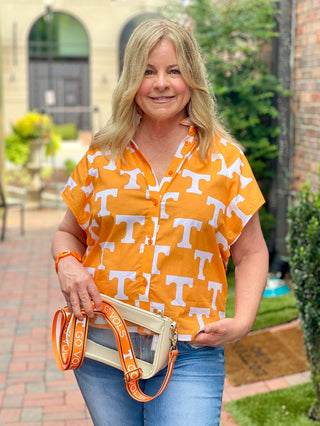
31 139
34 126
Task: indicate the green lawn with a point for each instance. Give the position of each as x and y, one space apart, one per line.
272 311
284 407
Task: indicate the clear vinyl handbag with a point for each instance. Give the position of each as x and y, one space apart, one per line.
136 341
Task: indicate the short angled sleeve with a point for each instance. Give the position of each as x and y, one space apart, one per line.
78 191
244 195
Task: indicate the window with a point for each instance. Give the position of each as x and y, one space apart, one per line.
58 36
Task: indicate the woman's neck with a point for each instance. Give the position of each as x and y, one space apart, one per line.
166 132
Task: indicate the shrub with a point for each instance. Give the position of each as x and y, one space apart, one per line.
69 165
66 131
304 260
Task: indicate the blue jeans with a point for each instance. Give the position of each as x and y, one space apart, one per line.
193 396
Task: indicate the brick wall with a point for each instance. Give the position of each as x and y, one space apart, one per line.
306 107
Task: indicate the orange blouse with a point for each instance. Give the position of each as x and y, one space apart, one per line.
164 245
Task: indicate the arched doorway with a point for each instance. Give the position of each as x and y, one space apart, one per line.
59 69
128 30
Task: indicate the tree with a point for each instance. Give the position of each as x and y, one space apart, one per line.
233 36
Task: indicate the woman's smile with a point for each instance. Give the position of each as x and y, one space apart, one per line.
162 98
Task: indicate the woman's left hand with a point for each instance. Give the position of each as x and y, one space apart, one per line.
219 333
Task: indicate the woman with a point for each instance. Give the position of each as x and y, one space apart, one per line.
155 207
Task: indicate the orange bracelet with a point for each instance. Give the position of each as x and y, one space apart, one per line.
66 253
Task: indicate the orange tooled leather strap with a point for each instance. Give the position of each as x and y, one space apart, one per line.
70 350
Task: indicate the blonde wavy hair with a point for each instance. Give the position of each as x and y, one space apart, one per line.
201 109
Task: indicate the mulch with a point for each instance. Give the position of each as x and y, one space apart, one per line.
265 355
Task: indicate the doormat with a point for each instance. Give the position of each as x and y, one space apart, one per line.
265 355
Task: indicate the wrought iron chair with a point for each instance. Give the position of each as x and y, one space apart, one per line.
5 204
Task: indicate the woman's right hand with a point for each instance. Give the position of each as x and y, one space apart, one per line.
78 287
